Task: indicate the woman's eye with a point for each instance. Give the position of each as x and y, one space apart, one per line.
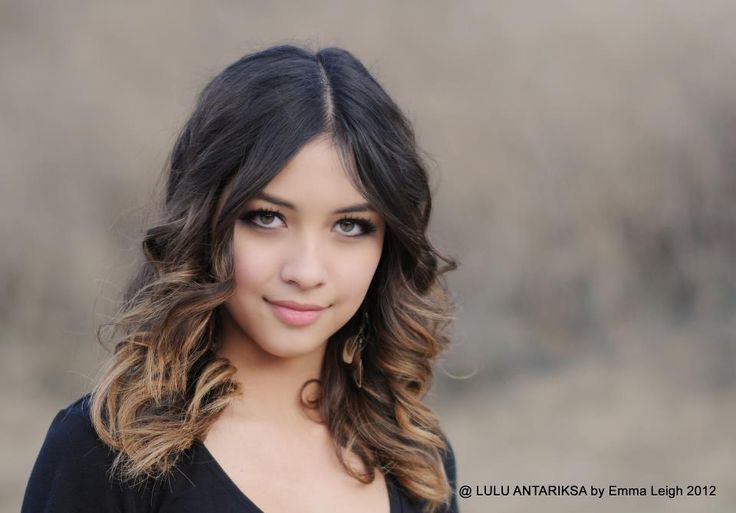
269 219
349 227
364 227
262 218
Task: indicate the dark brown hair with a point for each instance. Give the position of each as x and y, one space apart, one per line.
164 386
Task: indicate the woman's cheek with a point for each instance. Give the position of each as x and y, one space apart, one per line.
360 268
253 262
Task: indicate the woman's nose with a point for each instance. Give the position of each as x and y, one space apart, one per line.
304 265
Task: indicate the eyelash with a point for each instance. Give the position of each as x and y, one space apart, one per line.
367 227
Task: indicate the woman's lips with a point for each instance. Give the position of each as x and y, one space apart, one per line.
295 317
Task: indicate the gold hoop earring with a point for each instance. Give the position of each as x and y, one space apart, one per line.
351 351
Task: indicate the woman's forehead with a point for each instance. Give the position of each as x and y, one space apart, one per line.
316 169
315 178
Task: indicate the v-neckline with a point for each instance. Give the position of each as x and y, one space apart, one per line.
216 468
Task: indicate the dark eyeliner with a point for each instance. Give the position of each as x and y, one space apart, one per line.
252 214
366 225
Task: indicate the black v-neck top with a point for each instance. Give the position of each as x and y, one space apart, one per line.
71 475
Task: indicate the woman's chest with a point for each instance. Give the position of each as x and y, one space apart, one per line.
276 474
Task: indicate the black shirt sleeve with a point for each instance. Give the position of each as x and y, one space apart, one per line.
71 471
451 471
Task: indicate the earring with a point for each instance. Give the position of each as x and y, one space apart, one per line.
352 349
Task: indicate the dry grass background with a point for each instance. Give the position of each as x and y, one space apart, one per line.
584 156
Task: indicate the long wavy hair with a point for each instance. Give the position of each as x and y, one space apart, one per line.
164 385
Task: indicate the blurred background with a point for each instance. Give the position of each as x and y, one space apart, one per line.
583 157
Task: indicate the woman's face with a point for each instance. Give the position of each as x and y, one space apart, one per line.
296 242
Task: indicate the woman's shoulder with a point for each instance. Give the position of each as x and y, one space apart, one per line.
73 472
448 461
72 440
450 466
72 469
72 427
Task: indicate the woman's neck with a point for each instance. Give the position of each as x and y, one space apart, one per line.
270 384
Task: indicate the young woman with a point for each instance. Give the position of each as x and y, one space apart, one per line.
274 348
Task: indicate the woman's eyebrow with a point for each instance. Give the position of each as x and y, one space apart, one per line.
361 207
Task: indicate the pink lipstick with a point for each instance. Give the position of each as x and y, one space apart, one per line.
295 314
